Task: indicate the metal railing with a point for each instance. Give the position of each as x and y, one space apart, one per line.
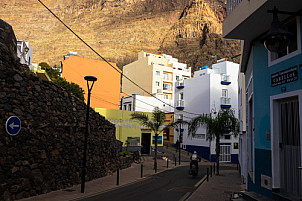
225 101
225 78
180 103
179 83
231 5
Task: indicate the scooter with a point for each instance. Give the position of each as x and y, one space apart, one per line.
193 171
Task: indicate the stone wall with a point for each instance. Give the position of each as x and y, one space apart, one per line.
47 153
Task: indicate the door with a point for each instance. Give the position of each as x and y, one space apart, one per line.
225 153
146 142
290 148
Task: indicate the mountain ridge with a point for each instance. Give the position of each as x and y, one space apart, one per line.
189 30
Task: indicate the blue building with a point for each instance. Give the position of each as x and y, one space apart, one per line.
273 88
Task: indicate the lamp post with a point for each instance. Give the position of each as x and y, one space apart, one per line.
88 79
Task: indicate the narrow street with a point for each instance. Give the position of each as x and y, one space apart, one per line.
169 185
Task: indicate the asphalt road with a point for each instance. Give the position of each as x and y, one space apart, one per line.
170 185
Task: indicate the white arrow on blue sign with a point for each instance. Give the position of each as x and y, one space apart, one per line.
13 125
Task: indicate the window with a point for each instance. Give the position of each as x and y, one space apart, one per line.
177 77
294 48
180 117
133 141
166 96
125 107
181 96
200 136
227 137
147 54
157 73
166 76
157 83
166 86
224 93
129 107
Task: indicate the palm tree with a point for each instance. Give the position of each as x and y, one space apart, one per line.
155 124
216 126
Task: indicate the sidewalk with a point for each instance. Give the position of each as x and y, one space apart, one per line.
219 187
103 184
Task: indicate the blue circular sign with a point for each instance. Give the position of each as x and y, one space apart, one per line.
13 125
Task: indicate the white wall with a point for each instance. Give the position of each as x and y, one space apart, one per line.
202 95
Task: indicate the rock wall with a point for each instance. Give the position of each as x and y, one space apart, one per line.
47 153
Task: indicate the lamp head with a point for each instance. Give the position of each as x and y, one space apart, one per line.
90 78
277 39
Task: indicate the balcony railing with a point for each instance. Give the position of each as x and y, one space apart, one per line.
231 5
180 104
180 84
225 79
225 102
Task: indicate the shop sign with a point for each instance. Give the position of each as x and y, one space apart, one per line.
285 76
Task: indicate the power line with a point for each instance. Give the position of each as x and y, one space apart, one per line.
118 70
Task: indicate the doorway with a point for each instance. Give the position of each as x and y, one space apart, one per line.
225 153
146 143
290 147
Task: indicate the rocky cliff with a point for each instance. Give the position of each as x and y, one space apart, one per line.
118 29
47 153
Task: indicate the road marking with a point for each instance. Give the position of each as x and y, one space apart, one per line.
202 180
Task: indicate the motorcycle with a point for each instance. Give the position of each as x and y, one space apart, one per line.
193 170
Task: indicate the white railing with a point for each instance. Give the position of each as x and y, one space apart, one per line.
179 83
225 78
225 101
231 5
180 103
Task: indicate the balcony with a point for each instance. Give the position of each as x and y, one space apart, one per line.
225 102
180 105
225 79
180 84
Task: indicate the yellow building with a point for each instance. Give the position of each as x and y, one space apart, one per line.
156 73
138 136
169 133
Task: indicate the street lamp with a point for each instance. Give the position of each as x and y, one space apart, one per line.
277 39
88 79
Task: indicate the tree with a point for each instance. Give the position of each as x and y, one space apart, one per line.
155 124
54 75
224 122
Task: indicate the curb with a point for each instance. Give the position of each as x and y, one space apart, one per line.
188 194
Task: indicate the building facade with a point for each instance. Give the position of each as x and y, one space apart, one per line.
156 73
273 89
206 93
24 52
147 104
106 90
139 138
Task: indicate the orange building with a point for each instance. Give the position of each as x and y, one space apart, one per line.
106 90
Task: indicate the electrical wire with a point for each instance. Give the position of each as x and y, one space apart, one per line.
118 70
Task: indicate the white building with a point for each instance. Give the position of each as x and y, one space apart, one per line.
24 52
146 103
207 92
